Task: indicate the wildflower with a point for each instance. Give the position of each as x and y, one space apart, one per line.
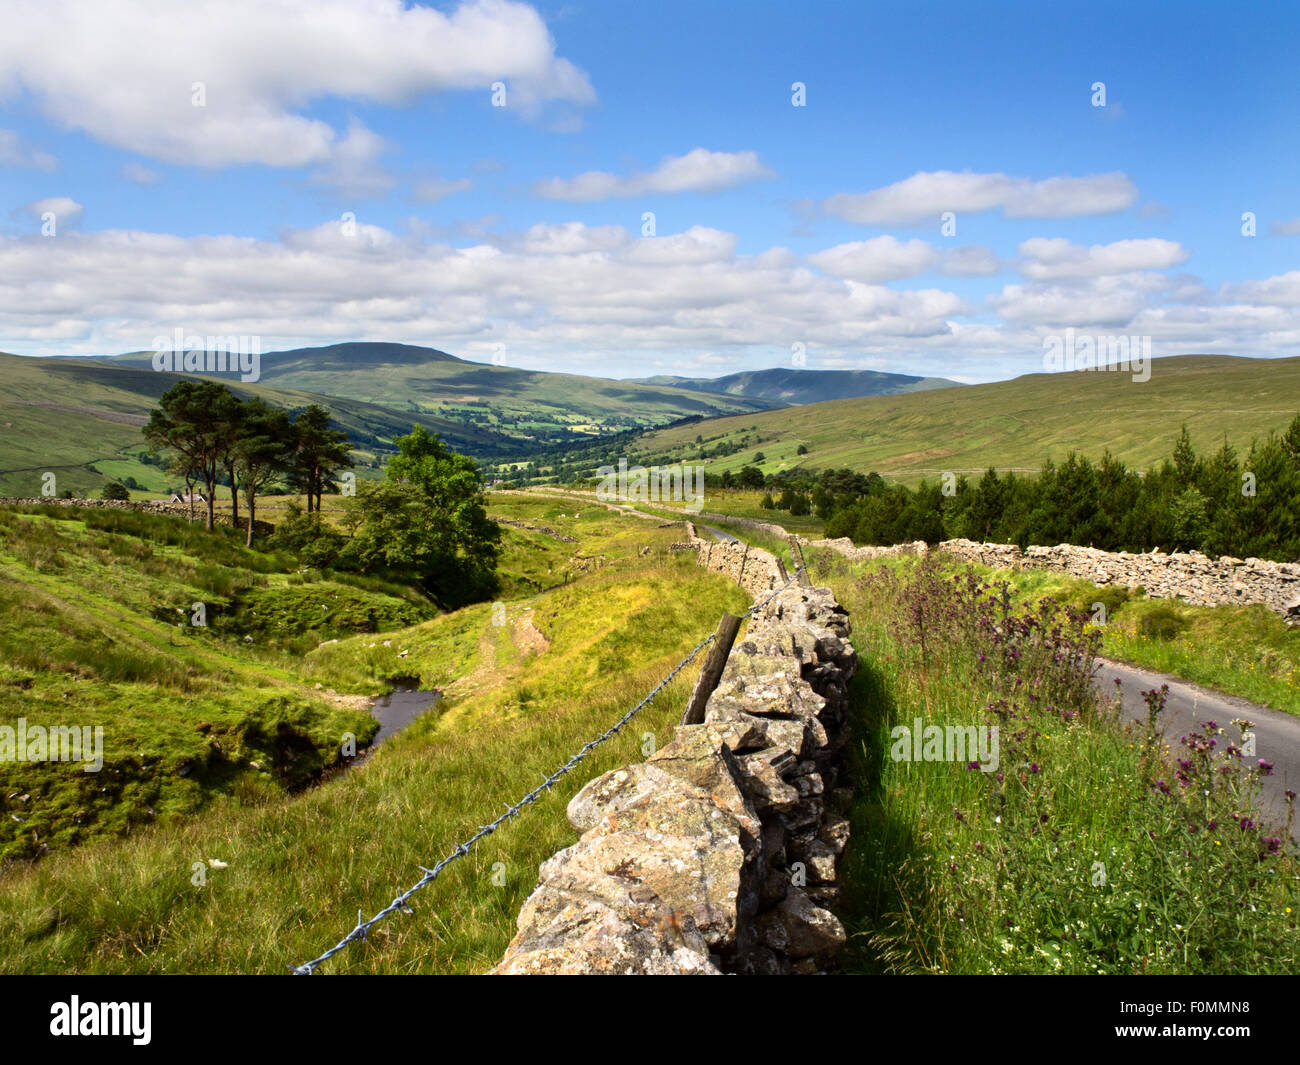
1266 767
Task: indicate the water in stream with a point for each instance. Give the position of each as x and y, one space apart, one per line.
398 709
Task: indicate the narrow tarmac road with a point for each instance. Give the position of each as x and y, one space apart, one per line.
718 534
1277 735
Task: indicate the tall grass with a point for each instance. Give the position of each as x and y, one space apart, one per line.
298 867
1092 849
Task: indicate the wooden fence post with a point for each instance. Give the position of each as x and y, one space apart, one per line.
711 672
796 556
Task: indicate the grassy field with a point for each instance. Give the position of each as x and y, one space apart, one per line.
98 613
1013 425
192 852
295 870
1087 850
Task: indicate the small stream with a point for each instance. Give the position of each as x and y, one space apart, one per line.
398 709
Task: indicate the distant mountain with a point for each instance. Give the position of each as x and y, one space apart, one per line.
518 408
788 386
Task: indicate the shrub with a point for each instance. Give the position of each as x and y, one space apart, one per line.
1163 621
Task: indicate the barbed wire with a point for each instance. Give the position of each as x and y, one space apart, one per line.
401 902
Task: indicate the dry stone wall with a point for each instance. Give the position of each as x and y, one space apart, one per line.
718 853
147 506
1190 577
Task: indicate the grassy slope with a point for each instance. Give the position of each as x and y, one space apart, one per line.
299 868
1010 424
95 629
69 415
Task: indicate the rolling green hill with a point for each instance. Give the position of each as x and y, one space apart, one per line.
516 409
81 420
784 385
1009 424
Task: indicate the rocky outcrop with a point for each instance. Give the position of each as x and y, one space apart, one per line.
718 853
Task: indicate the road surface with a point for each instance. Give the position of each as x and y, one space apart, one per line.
1277 735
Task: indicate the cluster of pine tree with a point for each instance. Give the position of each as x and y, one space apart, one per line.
1221 503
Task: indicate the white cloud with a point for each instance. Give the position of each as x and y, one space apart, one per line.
1285 227
886 258
1280 291
14 151
1047 259
879 259
433 190
926 195
560 289
971 260
353 170
594 299
67 212
698 170
699 244
572 238
140 175
124 72
1112 302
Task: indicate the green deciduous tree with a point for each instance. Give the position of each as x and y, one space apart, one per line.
428 520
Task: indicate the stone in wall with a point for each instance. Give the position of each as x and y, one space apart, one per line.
718 853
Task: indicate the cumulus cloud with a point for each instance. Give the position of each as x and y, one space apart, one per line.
16 152
971 260
1112 302
67 212
926 195
879 259
886 258
572 238
557 290
597 299
129 75
699 170
1046 259
353 169
1280 291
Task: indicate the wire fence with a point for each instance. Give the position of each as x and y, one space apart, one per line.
402 901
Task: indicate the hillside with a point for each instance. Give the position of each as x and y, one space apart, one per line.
522 690
81 419
98 630
785 385
513 408
1008 424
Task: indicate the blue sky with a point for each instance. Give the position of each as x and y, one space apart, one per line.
348 177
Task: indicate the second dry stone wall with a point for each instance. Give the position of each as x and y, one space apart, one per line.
718 853
1190 577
